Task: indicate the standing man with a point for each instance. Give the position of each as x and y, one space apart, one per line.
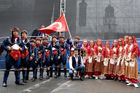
24 54
39 57
55 56
32 59
13 56
63 56
77 44
47 56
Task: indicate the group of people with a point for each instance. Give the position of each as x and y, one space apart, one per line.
116 61
86 59
34 54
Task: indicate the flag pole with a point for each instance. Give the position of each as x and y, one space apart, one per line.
68 29
62 11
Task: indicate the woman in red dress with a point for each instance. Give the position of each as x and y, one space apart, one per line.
120 61
98 59
126 43
85 50
132 54
106 58
90 60
113 59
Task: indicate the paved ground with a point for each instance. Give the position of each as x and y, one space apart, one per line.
63 85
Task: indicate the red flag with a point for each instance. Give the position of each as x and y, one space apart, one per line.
60 25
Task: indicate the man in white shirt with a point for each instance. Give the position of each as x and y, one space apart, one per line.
76 64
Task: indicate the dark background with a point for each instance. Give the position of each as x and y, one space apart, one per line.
106 19
26 14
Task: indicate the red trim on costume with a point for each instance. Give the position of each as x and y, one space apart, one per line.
24 54
15 54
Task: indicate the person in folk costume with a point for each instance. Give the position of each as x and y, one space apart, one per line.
98 58
32 59
113 59
126 43
31 54
35 56
55 56
77 44
24 54
120 61
11 46
132 54
46 56
76 65
63 54
106 59
90 59
91 46
84 49
87 59
69 46
40 63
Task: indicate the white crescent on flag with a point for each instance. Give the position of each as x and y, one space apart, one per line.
56 25
60 25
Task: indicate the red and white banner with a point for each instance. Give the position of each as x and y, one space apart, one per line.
60 25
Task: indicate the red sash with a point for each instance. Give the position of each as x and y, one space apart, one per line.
24 54
39 54
47 53
15 54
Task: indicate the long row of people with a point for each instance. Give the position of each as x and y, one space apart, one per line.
87 59
117 61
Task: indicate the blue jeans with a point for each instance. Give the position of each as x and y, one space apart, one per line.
80 69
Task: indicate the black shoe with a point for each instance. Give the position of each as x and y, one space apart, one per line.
55 76
71 77
41 78
19 83
47 77
65 76
24 81
27 78
82 78
4 84
33 79
51 75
